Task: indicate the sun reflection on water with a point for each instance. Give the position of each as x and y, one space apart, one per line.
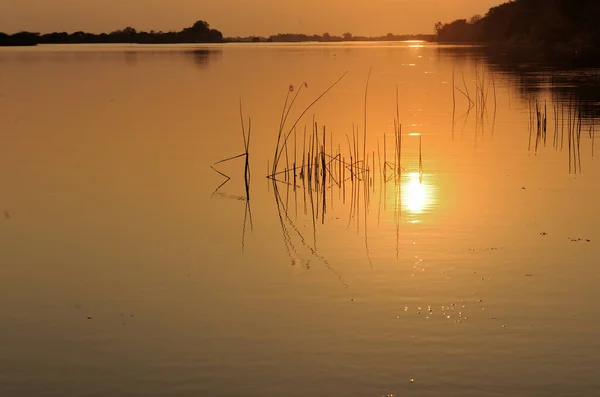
414 194
417 193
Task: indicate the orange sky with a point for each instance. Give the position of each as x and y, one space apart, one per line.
238 17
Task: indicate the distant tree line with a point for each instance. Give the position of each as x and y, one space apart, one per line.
200 32
326 37
557 26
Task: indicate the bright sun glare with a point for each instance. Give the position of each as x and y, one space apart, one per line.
415 194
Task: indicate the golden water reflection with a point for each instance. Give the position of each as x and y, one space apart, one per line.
418 193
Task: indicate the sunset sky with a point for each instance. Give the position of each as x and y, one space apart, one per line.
238 17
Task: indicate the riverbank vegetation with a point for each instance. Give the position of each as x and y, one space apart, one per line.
553 29
200 32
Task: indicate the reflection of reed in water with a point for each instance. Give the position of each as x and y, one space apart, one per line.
246 157
353 190
291 233
318 167
485 85
567 117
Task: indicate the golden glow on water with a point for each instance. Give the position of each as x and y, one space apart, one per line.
132 234
417 194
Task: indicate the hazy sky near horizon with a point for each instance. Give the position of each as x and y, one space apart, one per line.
238 17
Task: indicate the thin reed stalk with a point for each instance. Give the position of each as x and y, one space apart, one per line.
286 136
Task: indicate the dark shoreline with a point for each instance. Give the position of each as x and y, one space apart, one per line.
199 33
419 38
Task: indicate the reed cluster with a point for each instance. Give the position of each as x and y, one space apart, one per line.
567 121
485 86
308 161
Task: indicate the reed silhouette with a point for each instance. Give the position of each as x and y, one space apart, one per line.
246 133
325 167
311 173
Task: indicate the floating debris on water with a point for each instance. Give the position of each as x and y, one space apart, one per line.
575 240
485 250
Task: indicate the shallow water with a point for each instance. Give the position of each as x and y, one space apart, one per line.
126 270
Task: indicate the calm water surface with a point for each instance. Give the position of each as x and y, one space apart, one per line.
125 270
